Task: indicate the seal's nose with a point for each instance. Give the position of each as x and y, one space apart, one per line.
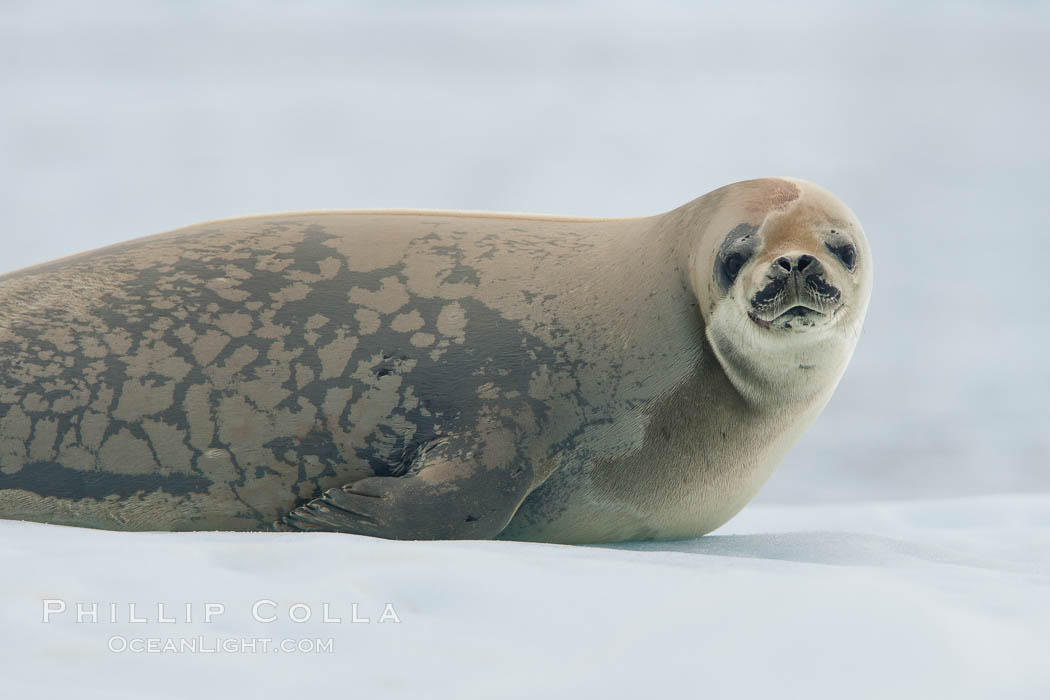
796 262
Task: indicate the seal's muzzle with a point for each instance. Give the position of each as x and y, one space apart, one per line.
797 286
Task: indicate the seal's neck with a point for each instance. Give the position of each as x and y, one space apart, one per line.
774 373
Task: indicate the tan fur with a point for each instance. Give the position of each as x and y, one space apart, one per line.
595 362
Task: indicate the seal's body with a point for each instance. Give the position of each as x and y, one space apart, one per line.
430 374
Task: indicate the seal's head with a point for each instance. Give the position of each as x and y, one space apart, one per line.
783 273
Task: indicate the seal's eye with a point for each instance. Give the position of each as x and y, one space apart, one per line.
731 266
847 254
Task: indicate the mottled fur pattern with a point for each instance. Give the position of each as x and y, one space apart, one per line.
416 374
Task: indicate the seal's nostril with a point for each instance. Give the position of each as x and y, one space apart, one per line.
804 261
784 263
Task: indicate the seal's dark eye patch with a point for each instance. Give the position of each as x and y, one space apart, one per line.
737 248
846 253
731 267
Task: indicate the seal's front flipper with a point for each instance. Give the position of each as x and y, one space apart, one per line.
455 488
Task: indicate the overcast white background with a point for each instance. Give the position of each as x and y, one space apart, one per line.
929 119
125 119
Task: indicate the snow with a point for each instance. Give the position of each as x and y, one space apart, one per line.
922 599
126 118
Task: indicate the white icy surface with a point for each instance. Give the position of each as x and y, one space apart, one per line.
901 599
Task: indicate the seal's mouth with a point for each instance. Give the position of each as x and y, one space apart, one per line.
790 298
800 310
